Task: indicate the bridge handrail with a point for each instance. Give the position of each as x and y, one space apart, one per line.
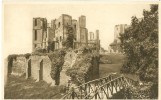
95 80
101 85
109 83
66 95
105 84
89 82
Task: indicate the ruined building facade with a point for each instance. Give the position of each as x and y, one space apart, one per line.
51 35
119 29
115 45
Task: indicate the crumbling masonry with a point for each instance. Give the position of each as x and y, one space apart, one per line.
49 36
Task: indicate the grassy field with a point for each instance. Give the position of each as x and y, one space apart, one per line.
117 61
105 69
115 66
20 88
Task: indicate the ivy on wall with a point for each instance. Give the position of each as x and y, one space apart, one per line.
82 68
57 59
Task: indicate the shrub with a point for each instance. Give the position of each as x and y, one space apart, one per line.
81 70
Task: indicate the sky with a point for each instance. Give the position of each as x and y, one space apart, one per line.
18 20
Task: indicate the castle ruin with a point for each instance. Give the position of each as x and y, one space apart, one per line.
50 36
115 45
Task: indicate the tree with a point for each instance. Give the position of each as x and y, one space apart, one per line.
140 44
68 42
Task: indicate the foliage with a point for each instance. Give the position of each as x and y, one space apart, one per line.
140 44
80 72
39 50
27 55
51 46
11 57
68 42
145 91
57 59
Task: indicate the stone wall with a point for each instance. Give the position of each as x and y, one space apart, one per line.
19 66
40 68
36 67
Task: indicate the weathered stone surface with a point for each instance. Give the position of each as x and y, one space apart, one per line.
19 66
40 68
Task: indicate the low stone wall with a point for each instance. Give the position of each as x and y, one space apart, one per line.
36 67
39 67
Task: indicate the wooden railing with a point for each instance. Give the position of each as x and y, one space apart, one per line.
102 88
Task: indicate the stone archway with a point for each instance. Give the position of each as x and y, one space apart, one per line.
41 71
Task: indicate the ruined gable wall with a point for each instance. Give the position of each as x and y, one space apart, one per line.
67 20
35 65
19 66
35 68
47 69
59 32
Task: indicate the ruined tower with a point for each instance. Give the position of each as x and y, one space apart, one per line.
62 23
50 36
39 33
97 41
82 32
119 29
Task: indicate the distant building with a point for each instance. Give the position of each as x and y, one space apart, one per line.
115 45
50 36
119 29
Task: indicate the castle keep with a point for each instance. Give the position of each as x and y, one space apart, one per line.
50 36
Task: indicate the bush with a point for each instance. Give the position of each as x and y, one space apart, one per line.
81 70
146 91
27 55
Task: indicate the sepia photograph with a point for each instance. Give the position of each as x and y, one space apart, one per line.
81 50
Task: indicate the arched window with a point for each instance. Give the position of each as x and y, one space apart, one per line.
75 26
35 34
35 22
59 24
60 38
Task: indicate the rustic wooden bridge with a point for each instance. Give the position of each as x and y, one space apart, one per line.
102 88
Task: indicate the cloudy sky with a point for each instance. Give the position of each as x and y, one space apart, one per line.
103 16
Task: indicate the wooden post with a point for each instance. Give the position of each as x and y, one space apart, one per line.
81 91
112 88
85 91
116 85
73 94
96 92
89 89
107 89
